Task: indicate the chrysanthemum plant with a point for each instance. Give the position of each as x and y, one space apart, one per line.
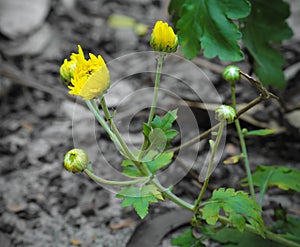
228 215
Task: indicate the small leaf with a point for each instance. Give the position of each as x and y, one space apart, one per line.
262 132
187 239
139 198
159 161
283 177
233 159
237 206
157 139
130 169
164 125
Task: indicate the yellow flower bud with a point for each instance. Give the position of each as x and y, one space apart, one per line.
88 78
75 160
163 38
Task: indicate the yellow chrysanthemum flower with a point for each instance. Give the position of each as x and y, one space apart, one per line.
89 78
163 38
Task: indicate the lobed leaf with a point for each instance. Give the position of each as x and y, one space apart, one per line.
265 26
237 206
283 177
209 24
139 198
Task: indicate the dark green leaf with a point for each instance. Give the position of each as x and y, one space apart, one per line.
262 132
237 206
283 177
260 31
208 24
187 239
139 198
229 237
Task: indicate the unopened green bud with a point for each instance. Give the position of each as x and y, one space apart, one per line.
75 160
225 112
66 71
231 73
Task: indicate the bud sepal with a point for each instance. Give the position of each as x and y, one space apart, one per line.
231 73
225 112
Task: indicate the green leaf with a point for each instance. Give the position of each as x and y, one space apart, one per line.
229 237
289 228
139 198
159 161
157 139
212 25
166 122
161 132
280 176
265 26
262 132
187 239
130 169
237 206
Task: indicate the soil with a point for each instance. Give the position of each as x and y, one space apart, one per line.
41 204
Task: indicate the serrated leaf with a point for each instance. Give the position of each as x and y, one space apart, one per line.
161 128
283 177
160 161
187 239
236 205
166 122
260 31
262 132
139 198
229 237
208 24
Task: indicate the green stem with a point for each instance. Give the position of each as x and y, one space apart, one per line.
154 100
171 196
126 150
243 144
110 182
94 109
210 165
156 86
